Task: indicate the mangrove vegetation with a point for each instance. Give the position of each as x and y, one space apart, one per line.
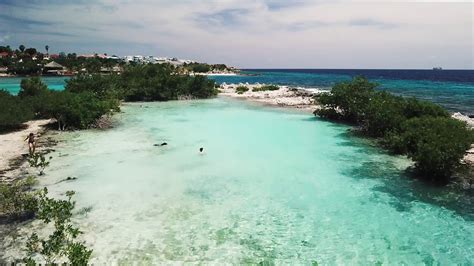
422 130
88 97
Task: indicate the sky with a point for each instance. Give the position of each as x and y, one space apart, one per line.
252 33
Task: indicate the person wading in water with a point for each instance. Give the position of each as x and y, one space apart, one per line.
31 143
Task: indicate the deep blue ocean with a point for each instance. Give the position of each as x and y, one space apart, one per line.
453 89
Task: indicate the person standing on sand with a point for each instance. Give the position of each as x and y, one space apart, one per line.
31 143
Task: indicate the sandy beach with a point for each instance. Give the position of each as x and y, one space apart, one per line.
13 146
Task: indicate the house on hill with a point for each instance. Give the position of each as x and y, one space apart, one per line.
53 68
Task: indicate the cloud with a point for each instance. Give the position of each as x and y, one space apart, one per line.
252 33
14 21
301 26
225 18
4 38
371 23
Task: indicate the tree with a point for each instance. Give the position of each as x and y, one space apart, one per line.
421 130
30 51
15 203
436 144
76 110
5 49
350 99
93 65
22 48
62 242
203 68
32 87
46 47
13 112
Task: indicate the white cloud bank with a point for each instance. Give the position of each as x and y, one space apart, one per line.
253 33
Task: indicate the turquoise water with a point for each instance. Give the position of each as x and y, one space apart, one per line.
453 89
12 85
272 186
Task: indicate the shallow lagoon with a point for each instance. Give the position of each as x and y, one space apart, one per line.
273 185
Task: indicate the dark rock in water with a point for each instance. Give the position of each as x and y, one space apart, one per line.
162 144
69 178
470 116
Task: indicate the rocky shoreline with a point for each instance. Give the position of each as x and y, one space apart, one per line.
285 96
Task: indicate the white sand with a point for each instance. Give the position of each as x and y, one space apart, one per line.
464 118
13 145
214 74
284 97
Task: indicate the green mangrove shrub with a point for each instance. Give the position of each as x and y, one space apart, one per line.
16 201
38 161
423 131
31 87
241 89
62 243
266 88
158 82
436 144
13 112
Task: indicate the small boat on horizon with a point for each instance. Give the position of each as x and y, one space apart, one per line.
437 68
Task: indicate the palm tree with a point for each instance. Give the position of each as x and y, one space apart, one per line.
22 48
47 48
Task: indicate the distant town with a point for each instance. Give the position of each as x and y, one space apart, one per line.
30 61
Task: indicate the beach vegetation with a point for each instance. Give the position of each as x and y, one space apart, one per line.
13 112
436 144
31 87
204 68
16 202
201 68
241 89
78 110
88 97
25 67
266 88
157 82
38 161
421 130
62 243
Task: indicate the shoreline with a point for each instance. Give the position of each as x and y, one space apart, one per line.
302 99
215 74
14 149
45 133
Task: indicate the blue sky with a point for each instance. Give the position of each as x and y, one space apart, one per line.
252 33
